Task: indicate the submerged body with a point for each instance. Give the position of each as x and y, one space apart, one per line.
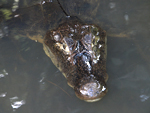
79 51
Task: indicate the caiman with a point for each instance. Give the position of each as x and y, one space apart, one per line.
77 49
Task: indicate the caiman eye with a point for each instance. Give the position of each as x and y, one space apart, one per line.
87 38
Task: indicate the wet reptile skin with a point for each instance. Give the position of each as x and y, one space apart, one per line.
79 51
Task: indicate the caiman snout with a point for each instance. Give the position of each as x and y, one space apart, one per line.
91 91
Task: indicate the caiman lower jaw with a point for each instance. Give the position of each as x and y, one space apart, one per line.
94 100
91 92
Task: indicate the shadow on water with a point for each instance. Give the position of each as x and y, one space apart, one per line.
25 69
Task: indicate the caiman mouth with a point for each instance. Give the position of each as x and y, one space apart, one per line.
91 91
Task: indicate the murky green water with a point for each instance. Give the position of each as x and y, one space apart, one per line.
25 70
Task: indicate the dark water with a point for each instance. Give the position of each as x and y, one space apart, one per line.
25 70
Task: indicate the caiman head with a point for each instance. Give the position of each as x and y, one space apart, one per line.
78 50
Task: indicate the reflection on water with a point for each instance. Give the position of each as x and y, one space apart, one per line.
3 73
3 94
15 103
25 69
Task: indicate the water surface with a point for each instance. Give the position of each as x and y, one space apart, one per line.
25 70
